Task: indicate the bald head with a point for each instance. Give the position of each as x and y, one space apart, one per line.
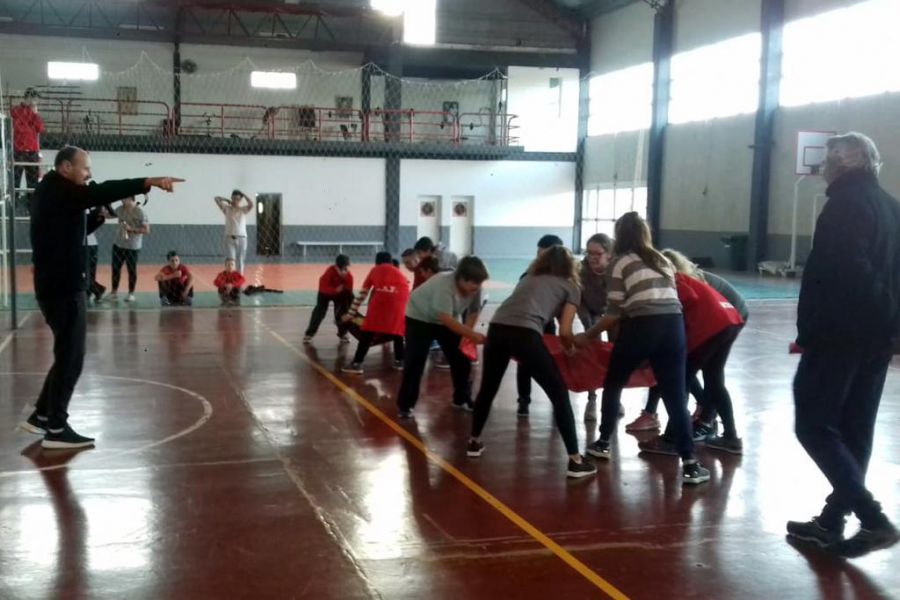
74 164
850 152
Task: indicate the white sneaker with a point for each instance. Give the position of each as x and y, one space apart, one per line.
129 298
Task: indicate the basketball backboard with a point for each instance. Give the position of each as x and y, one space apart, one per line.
811 151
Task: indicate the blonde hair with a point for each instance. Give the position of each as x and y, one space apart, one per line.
683 264
633 235
556 261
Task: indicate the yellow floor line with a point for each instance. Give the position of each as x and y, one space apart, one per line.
479 491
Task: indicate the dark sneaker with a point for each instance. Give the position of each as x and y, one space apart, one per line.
869 540
811 531
405 413
466 406
343 339
703 432
600 449
474 449
398 365
307 339
353 369
694 473
35 424
65 439
585 468
658 445
522 411
731 445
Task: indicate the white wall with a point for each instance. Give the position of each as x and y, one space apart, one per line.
315 191
507 193
548 117
619 40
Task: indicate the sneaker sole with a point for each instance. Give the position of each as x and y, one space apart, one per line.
813 540
351 372
462 407
29 428
642 428
694 480
580 474
474 453
597 454
54 445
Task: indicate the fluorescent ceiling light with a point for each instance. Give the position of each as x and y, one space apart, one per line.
273 80
71 71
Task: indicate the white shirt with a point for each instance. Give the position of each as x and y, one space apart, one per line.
235 221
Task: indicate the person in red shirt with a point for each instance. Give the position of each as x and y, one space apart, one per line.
175 281
386 312
27 126
712 325
335 285
229 283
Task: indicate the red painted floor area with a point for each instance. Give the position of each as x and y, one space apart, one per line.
230 464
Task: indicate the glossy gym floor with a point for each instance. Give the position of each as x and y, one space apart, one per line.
233 462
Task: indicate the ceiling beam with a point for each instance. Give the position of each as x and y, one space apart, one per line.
566 20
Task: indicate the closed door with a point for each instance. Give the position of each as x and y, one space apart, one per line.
268 224
429 220
461 223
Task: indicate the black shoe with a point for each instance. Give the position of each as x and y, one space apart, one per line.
466 406
522 411
703 432
35 424
659 445
869 540
405 413
694 473
585 468
600 449
65 439
811 531
474 449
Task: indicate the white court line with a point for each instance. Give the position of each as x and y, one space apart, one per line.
207 413
11 334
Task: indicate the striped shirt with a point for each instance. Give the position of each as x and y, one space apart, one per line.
636 290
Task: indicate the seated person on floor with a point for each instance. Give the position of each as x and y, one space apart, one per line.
176 284
229 283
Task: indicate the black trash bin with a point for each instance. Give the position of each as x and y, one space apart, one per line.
737 251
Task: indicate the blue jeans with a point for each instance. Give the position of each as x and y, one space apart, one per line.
660 340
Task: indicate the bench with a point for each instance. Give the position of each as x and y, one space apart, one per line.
376 245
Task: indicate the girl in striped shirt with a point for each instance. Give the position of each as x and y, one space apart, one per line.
643 302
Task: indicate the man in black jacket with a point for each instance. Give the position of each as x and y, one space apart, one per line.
848 319
58 239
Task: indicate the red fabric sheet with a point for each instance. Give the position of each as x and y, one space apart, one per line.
585 371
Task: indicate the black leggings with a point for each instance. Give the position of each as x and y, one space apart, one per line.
526 346
523 376
659 339
129 258
342 304
365 342
710 359
419 336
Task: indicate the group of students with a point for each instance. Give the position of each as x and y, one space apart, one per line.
657 308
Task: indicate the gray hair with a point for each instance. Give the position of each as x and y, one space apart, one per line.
855 151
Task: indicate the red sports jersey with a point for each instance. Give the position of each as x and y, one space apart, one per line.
234 278
706 312
182 270
386 312
27 125
331 283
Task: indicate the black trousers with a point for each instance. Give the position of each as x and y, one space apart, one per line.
523 376
129 258
419 336
526 346
837 391
365 342
67 318
659 339
710 359
342 304
94 287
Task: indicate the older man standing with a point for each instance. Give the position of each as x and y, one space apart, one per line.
59 253
847 321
